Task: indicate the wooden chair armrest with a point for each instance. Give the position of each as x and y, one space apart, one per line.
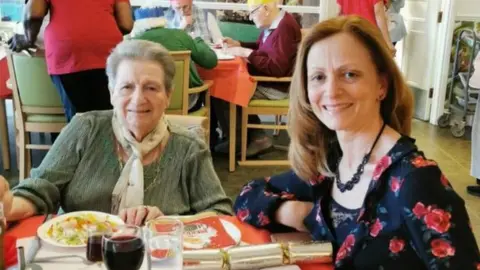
204 87
186 120
198 124
9 84
272 79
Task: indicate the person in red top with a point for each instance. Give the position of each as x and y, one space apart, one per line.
372 10
78 39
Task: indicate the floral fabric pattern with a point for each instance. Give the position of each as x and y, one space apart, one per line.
411 218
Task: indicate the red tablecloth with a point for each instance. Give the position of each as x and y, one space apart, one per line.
250 235
231 81
5 92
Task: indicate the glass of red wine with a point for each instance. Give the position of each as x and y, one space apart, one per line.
94 242
123 248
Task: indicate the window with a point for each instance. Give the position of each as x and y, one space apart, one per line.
306 11
11 10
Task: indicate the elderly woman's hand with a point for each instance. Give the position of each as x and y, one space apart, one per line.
140 214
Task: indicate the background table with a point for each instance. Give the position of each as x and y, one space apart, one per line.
232 83
250 235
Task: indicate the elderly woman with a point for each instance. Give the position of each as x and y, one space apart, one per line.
358 180
130 160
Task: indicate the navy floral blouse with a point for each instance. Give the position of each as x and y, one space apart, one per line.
411 218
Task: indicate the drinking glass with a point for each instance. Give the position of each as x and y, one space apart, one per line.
94 242
123 248
165 239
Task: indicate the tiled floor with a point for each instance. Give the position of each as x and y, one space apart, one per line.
451 153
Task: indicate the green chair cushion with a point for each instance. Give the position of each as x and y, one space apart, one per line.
46 118
282 103
176 100
239 31
34 83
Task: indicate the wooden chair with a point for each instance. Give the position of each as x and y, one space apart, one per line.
5 93
263 107
38 107
179 99
198 124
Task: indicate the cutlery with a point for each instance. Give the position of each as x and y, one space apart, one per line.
54 258
35 244
21 258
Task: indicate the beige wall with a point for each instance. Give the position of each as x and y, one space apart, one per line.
468 9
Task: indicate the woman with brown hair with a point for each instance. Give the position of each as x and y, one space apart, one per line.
358 180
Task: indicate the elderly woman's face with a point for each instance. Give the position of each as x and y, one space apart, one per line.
344 88
139 94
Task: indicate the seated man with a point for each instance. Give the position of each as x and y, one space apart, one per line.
184 15
272 55
153 29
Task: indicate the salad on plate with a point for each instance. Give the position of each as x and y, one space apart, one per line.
73 230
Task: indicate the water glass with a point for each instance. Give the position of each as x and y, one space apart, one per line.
123 248
165 239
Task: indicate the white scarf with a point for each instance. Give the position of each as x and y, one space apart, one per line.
129 190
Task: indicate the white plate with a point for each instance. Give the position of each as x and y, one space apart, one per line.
222 56
42 230
229 227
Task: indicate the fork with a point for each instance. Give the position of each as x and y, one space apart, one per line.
54 258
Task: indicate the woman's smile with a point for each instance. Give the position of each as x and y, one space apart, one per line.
337 108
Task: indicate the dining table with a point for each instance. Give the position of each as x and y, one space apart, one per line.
232 83
26 229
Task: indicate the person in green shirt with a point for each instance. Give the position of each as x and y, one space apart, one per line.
128 161
153 29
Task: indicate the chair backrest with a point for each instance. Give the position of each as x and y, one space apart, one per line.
179 96
32 87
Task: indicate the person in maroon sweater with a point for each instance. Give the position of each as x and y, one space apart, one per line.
272 55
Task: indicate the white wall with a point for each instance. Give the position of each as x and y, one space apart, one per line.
468 10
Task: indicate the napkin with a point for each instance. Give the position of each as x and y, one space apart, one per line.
10 250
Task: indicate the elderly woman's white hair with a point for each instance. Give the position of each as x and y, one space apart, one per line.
141 50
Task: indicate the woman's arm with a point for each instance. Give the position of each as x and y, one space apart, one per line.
382 22
34 12
205 189
202 54
42 192
273 202
123 16
437 221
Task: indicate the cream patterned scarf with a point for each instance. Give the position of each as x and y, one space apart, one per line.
129 190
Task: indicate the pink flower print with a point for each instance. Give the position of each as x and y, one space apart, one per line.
262 219
382 165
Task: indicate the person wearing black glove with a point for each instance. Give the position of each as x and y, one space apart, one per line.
78 39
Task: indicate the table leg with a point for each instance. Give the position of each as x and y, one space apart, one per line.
4 136
233 133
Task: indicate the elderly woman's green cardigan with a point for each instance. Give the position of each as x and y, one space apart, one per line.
82 168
